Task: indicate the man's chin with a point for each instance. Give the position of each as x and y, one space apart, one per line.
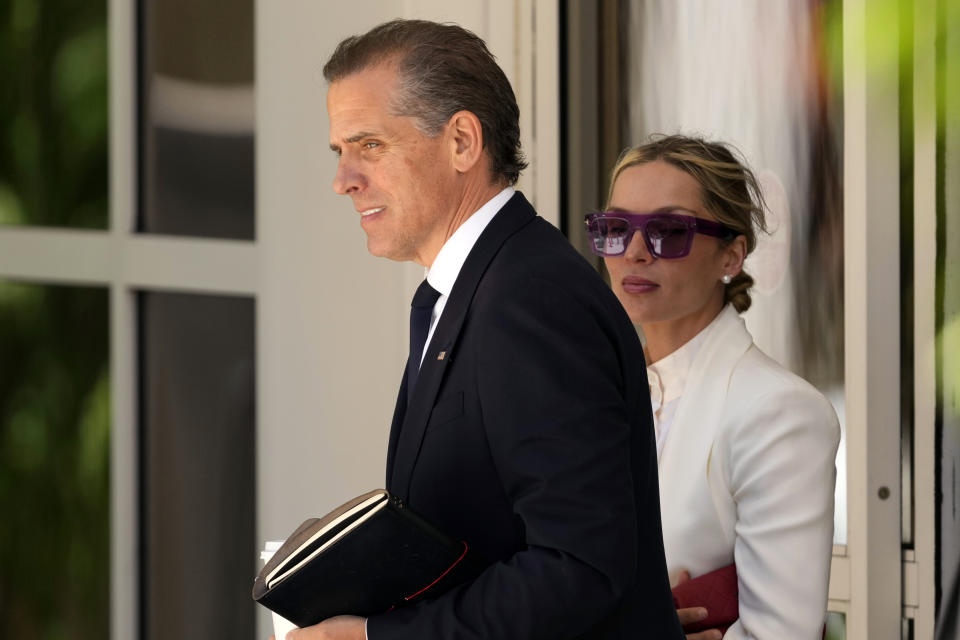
384 250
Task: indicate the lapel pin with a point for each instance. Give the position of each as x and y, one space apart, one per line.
441 355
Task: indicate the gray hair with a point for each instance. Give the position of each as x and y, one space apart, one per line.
442 69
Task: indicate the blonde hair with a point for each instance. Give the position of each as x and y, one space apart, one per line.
730 191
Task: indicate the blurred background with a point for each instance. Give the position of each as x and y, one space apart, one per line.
196 352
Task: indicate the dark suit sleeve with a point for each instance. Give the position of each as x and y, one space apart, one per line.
553 400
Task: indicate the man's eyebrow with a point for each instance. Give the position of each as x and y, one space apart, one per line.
357 137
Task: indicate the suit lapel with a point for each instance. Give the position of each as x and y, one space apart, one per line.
408 427
399 410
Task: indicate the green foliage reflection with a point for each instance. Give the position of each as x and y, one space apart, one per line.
54 462
53 113
54 389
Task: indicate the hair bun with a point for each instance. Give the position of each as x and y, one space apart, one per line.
737 292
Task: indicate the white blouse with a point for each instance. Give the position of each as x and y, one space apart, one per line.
667 377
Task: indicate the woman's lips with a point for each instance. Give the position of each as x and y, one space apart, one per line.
632 284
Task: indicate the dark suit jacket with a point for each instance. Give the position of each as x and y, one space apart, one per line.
532 439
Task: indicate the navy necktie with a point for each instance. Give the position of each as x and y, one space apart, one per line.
421 309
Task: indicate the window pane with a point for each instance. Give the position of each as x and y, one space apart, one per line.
54 462
197 466
197 128
53 113
836 626
904 72
948 295
766 78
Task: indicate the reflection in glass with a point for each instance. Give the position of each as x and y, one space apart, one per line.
759 75
54 462
904 73
197 122
836 626
197 466
948 295
53 113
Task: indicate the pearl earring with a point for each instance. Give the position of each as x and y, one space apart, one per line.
726 279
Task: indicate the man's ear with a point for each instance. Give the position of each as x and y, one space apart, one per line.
466 134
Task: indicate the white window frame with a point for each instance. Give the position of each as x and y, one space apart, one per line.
872 582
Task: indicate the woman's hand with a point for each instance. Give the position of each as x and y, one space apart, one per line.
690 615
696 614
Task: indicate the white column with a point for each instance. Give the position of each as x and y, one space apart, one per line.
872 332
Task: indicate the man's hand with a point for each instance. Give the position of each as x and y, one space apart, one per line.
336 628
690 615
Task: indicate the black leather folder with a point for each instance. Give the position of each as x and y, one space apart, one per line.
368 556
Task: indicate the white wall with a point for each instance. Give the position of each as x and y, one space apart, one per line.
332 320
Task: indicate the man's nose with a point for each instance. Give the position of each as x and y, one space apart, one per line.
637 250
348 179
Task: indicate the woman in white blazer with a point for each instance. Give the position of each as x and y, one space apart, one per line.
746 449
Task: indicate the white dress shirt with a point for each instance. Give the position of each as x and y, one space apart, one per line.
442 274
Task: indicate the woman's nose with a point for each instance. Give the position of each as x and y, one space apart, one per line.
637 249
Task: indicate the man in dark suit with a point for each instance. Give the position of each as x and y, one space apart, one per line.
523 422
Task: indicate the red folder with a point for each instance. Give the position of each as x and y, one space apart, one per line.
717 592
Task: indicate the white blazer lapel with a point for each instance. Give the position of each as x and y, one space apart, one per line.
686 460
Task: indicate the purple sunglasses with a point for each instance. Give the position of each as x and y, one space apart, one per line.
667 235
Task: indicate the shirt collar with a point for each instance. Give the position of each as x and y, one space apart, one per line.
670 374
446 266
